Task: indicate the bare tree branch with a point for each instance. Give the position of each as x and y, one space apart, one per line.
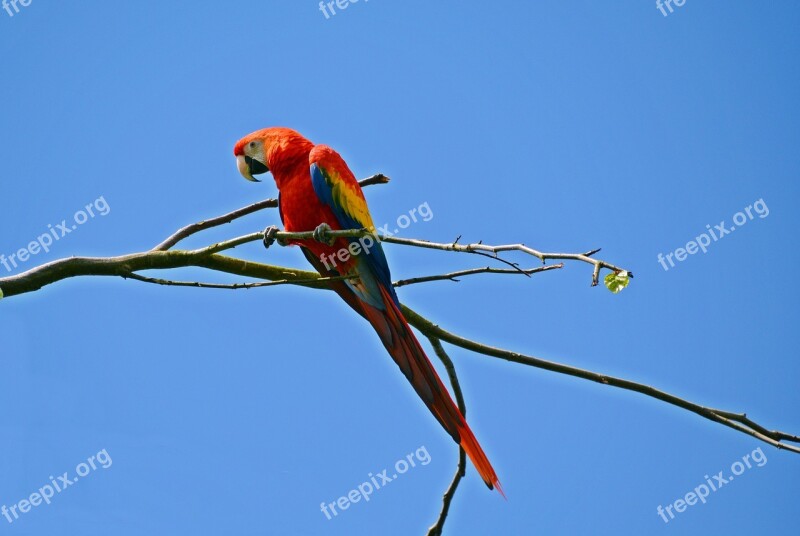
736 421
163 257
124 265
495 250
232 286
206 257
461 468
194 228
477 248
450 493
487 270
403 282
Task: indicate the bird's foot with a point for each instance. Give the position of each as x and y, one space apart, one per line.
270 238
322 234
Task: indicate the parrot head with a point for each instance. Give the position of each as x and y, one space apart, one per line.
272 149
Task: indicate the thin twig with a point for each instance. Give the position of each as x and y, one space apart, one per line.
449 494
194 228
451 373
479 248
743 419
461 468
232 286
230 244
238 286
487 270
542 256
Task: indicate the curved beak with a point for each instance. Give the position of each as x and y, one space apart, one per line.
248 167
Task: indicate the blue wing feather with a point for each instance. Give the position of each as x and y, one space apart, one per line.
373 261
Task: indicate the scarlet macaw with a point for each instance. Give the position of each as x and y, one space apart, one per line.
317 191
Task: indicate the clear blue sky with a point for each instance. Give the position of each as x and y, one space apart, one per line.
564 125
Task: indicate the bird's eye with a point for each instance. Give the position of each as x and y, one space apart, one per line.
252 145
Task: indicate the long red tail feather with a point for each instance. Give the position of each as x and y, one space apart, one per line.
405 349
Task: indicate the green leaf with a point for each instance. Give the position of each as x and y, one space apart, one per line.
616 281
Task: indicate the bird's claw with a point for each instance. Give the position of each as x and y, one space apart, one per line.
321 234
270 238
